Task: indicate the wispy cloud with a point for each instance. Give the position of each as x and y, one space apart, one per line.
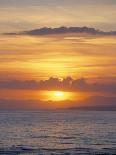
34 57
53 2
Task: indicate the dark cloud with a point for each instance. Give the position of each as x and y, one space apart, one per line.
52 83
67 84
63 30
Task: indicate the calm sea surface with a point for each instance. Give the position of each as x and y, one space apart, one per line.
57 132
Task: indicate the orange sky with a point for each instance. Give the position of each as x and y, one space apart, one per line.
24 57
37 58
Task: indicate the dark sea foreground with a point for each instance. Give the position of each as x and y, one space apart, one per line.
58 132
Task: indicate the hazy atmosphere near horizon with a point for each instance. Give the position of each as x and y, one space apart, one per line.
58 57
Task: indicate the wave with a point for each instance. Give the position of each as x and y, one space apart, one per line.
23 150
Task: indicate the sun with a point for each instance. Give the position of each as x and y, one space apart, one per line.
56 95
59 94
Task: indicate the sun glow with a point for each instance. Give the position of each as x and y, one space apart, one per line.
57 95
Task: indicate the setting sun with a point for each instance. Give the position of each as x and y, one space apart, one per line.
58 94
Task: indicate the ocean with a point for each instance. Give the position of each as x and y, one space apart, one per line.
57 132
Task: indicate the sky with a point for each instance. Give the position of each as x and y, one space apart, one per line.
28 14
57 68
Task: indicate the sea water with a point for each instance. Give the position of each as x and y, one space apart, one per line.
57 132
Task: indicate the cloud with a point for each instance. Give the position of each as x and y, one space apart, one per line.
97 100
67 84
63 30
18 3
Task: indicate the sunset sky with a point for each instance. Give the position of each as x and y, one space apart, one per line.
54 69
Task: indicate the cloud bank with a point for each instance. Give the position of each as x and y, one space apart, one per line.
67 84
102 95
63 30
